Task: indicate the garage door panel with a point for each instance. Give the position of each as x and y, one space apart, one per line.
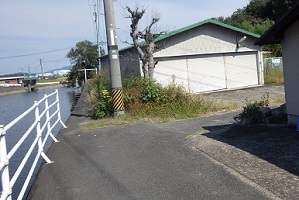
241 70
169 71
206 73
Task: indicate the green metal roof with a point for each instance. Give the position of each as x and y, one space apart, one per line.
207 21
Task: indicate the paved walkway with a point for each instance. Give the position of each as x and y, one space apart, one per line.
143 161
201 158
275 91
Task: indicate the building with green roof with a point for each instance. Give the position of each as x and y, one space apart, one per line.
205 56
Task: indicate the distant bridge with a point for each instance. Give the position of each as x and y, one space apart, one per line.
27 82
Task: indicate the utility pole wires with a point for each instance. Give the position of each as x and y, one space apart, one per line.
96 5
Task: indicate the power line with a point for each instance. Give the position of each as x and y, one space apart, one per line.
57 60
92 15
32 54
96 20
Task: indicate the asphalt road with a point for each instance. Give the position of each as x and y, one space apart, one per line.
143 161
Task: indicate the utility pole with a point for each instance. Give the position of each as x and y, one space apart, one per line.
29 71
41 66
115 76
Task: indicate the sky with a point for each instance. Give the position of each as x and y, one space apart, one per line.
35 33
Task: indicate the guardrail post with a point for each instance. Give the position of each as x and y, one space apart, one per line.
6 194
48 119
58 108
39 134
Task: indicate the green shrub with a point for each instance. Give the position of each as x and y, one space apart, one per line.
251 108
152 91
103 107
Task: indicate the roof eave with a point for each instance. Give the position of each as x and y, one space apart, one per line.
207 21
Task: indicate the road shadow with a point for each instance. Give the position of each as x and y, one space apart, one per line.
276 144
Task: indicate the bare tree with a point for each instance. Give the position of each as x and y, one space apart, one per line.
145 51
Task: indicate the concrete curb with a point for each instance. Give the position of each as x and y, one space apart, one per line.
279 183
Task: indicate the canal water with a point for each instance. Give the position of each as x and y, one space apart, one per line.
11 107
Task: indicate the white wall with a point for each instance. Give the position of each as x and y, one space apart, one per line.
205 39
290 49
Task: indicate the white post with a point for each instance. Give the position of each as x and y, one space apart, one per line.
5 171
48 119
58 108
39 134
260 67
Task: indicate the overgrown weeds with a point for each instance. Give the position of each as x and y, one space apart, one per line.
251 108
273 75
146 100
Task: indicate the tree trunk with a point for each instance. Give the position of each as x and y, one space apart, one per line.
151 66
146 52
151 61
146 70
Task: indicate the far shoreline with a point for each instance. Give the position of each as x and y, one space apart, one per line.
22 91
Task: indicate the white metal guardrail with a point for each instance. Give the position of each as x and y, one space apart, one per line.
43 131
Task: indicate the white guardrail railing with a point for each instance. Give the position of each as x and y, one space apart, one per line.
43 131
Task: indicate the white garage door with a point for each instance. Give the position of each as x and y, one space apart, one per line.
209 72
195 74
241 70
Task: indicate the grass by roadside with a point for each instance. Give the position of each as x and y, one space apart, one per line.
273 75
128 118
278 100
120 120
60 79
133 118
148 101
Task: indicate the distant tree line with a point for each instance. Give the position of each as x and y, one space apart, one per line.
84 56
258 16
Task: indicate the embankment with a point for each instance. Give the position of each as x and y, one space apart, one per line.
18 90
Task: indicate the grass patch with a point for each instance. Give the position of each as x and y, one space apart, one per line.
273 75
60 79
121 120
277 100
142 117
198 133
